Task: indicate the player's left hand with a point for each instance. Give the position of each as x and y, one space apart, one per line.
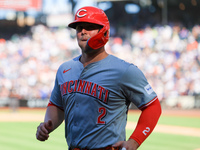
128 145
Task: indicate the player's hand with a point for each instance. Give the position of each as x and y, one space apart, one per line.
127 145
43 130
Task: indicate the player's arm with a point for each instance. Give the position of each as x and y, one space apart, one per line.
146 123
53 118
55 114
137 90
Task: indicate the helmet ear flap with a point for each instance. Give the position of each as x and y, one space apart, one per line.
100 39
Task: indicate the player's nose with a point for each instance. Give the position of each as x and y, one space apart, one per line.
83 31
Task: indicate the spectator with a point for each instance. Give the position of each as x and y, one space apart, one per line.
168 55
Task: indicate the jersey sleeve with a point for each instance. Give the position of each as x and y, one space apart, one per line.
56 97
136 87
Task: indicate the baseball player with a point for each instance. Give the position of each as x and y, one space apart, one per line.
93 91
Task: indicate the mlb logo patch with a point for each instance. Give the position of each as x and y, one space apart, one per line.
148 89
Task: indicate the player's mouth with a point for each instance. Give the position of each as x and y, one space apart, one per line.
84 39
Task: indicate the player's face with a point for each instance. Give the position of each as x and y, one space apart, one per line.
85 31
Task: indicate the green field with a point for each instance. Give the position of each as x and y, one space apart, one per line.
21 136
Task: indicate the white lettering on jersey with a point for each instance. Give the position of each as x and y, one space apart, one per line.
78 13
148 89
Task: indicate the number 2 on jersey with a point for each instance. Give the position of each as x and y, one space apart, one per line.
102 111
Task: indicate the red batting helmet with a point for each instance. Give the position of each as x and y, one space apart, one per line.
97 16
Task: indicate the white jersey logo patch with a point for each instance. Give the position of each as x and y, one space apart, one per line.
78 13
148 89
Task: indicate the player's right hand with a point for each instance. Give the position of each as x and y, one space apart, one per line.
43 130
131 144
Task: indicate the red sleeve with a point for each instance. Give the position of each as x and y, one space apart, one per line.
147 121
52 104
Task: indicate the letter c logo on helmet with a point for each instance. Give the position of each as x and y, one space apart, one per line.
93 15
78 13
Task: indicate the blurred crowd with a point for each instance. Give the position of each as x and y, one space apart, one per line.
169 56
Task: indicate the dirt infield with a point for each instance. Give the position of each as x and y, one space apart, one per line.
25 114
177 112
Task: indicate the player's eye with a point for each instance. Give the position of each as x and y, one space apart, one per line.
87 27
93 27
90 27
79 28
